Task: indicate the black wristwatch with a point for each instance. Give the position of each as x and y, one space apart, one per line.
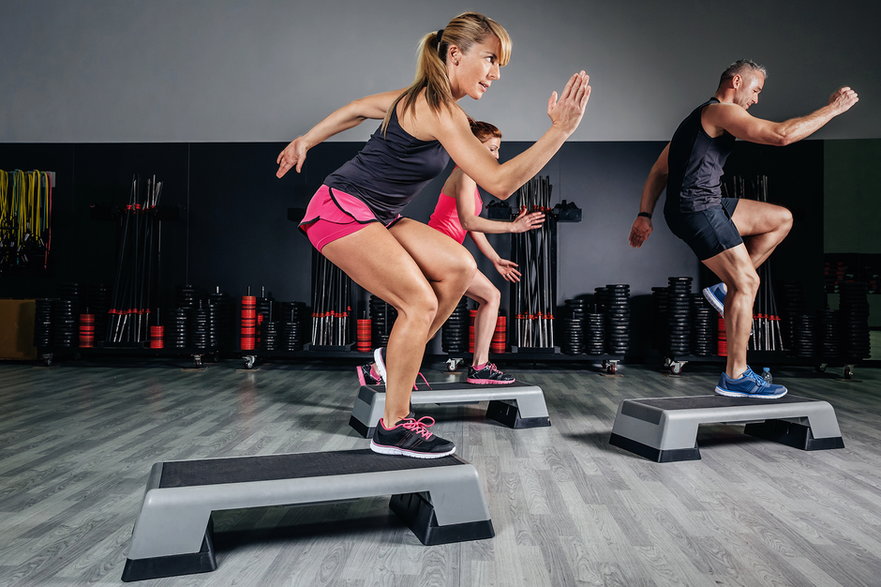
646 214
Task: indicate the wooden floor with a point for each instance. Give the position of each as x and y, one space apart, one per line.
77 442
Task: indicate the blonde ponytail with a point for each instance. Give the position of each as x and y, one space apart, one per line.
431 71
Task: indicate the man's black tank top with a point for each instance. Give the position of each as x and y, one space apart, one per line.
695 161
390 170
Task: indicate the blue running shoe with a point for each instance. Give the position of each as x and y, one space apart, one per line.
715 295
750 384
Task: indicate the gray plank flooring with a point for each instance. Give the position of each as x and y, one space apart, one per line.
77 442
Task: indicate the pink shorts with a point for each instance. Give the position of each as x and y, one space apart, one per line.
332 214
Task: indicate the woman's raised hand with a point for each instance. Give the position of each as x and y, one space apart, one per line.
292 156
566 112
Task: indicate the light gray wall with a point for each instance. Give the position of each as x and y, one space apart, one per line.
265 70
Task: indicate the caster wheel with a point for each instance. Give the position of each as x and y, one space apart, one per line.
822 367
612 367
848 371
667 362
676 367
454 363
249 361
197 361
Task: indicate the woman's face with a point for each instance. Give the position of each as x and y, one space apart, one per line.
472 72
493 144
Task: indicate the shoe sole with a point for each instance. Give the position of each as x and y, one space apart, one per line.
360 375
488 382
713 301
379 364
726 393
395 451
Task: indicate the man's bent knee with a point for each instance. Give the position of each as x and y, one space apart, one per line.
744 282
786 219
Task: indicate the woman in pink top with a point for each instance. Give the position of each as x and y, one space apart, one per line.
457 214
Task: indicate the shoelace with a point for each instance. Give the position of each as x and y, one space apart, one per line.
757 378
419 427
416 385
375 374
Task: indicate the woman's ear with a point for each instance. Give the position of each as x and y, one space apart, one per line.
454 54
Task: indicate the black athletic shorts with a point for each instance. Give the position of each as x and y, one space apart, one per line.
708 232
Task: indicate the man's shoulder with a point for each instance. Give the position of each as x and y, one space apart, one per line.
722 109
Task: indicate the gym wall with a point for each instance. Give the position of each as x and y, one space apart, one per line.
204 93
265 70
233 229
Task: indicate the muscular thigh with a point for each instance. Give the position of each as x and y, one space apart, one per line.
436 254
730 264
376 261
752 217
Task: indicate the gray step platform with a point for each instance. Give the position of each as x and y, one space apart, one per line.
517 405
440 499
665 429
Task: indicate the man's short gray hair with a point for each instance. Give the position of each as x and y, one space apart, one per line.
738 68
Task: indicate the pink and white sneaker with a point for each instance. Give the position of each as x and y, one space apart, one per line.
367 375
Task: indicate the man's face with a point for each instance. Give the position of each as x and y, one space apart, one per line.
747 87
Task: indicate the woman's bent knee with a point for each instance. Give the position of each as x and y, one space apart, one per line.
421 308
494 298
467 267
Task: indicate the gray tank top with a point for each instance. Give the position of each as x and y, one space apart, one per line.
390 170
695 161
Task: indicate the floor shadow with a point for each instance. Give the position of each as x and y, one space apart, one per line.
326 521
707 436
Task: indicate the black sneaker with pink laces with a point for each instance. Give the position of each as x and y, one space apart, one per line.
410 438
488 374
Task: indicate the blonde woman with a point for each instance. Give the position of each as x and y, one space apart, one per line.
354 218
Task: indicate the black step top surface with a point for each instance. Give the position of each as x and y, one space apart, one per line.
290 466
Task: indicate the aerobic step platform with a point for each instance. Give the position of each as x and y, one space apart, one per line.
665 429
440 499
518 405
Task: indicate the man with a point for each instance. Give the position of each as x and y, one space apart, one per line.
731 237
